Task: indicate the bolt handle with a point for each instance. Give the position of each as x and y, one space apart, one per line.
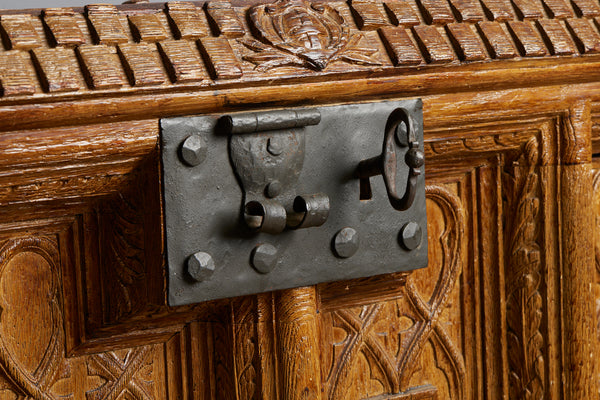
386 163
271 217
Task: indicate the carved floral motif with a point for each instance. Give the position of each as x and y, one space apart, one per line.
297 33
523 297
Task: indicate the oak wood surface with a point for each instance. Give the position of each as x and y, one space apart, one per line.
505 309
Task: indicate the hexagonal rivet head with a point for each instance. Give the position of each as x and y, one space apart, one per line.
264 258
411 235
346 242
200 266
193 150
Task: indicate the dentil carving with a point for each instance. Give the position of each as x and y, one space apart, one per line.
296 33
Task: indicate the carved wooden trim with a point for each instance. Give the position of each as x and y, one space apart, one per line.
391 334
524 304
270 46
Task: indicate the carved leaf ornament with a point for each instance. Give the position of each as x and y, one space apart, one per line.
297 33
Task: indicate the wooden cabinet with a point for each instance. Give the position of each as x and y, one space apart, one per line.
508 306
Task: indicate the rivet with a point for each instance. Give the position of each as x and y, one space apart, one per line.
346 242
193 150
411 235
414 158
264 258
273 189
200 266
402 134
274 147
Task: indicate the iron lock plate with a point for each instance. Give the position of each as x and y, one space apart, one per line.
269 200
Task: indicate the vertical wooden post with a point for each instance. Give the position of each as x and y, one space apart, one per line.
577 235
578 277
297 344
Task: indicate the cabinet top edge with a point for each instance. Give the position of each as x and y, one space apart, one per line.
106 51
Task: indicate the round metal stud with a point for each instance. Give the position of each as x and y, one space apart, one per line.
264 258
273 189
346 242
411 235
401 134
200 266
414 158
275 146
193 150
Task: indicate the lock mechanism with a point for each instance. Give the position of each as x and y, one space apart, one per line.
266 200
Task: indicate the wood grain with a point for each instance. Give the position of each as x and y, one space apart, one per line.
580 329
436 12
183 61
142 64
56 68
498 10
63 26
586 8
368 14
19 32
556 37
276 48
399 46
468 10
467 43
296 322
16 74
526 38
497 40
505 308
224 19
558 9
527 9
585 35
433 45
219 58
101 66
402 13
106 25
147 27
187 22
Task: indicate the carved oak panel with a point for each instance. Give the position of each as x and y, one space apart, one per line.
506 307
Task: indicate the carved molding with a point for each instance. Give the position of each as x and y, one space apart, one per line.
524 304
65 51
596 216
296 33
596 198
380 344
37 365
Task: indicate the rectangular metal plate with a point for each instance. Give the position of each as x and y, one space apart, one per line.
203 208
